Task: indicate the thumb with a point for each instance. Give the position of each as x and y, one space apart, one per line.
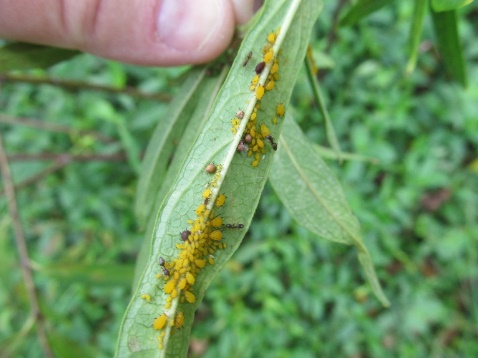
146 32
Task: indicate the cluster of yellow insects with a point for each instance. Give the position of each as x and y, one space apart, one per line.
204 235
256 133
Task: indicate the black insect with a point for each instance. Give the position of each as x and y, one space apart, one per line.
161 262
235 226
185 235
271 140
249 55
166 272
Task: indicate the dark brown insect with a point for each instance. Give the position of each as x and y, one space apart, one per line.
161 262
271 140
240 114
166 272
249 55
241 147
185 235
235 226
248 138
260 66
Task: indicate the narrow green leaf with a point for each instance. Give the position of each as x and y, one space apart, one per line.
362 9
446 32
314 197
329 128
205 94
446 5
24 56
237 178
328 153
415 33
163 143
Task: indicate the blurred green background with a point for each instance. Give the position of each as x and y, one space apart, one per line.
285 293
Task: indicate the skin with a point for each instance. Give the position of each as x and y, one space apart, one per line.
143 32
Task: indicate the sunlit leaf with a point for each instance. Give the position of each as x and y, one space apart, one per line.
446 5
240 181
314 197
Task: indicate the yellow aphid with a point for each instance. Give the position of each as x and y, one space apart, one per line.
190 278
146 297
221 199
280 109
190 297
174 294
206 193
259 92
265 130
255 79
269 55
271 38
274 68
270 85
211 260
216 222
274 120
253 116
182 284
200 263
260 143
200 209
255 163
179 320
216 235
160 322
169 287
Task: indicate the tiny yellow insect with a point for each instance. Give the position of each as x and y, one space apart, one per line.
221 199
179 320
200 263
280 109
269 55
160 322
265 130
169 287
216 222
190 297
206 193
270 85
275 68
190 278
271 38
146 297
259 92
216 235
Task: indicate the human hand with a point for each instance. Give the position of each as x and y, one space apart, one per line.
143 32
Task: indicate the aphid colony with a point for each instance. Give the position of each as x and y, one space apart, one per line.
197 246
257 133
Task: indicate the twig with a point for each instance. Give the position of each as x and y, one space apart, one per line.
22 251
78 85
53 127
115 157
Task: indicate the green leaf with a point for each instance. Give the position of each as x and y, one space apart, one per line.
362 9
314 197
416 33
203 97
446 32
238 179
329 128
446 5
24 56
163 143
328 153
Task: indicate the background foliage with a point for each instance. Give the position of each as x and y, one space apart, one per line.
285 292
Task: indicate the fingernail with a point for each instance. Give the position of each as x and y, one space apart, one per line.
184 25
